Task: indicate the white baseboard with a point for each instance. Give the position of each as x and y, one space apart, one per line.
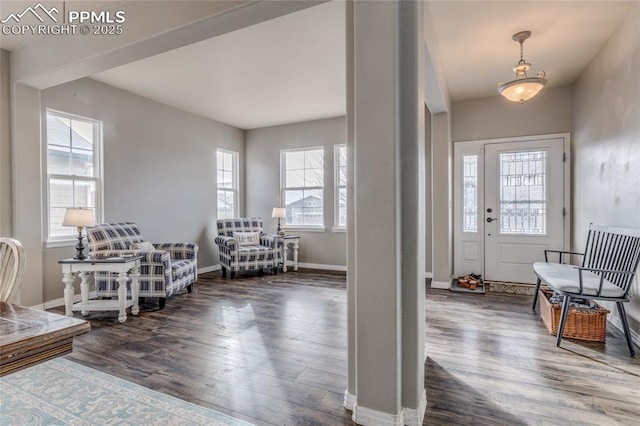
56 303
415 416
349 401
428 274
209 269
617 324
322 266
442 285
370 417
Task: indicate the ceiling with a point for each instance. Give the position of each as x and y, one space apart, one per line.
292 68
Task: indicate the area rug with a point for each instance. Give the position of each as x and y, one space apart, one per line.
62 392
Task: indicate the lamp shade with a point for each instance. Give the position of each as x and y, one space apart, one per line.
523 89
79 217
278 212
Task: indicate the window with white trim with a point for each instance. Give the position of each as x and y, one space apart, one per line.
227 177
74 175
303 187
340 202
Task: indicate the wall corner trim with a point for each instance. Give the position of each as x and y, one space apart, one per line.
368 416
415 416
349 401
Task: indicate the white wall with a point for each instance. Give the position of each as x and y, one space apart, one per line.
606 143
5 147
496 117
263 181
159 168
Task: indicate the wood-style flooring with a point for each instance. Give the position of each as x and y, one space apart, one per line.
271 350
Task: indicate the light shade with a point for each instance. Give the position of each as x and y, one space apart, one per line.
523 89
79 217
278 212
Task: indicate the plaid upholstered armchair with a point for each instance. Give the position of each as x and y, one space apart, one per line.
165 268
244 246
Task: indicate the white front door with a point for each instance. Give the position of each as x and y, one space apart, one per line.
511 203
523 207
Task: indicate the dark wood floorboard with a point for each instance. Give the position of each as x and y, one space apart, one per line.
271 350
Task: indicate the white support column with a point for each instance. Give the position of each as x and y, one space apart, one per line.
385 128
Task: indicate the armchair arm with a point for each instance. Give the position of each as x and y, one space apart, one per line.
269 240
560 253
179 251
227 242
149 257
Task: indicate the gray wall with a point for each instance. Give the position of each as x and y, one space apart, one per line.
263 181
5 147
159 167
606 144
495 117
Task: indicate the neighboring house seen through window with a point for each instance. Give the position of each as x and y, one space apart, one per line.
303 186
74 176
227 184
340 203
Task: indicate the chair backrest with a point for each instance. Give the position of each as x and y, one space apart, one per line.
13 262
613 249
113 236
227 227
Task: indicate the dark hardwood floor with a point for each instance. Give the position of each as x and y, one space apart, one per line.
272 350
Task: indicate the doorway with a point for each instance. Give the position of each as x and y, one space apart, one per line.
511 202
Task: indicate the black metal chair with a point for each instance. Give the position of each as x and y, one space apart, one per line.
609 264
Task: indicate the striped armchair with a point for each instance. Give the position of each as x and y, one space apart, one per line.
165 268
244 246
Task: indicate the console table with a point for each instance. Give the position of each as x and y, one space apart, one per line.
125 267
294 240
29 336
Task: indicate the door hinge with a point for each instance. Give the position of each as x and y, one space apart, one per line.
564 157
564 212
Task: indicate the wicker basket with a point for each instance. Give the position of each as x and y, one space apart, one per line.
581 324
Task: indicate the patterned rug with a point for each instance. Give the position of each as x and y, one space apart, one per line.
62 392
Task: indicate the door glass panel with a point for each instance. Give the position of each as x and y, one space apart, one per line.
523 192
470 194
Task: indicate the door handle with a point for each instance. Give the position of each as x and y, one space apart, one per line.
491 219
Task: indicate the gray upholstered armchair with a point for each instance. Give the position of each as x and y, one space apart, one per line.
165 268
244 246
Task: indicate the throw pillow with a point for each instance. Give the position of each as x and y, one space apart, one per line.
247 238
142 245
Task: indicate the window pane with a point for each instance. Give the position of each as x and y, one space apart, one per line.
226 176
82 162
523 192
470 195
304 169
342 207
58 160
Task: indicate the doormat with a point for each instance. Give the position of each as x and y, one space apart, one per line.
480 288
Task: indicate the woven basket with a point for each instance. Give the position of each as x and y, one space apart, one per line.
581 323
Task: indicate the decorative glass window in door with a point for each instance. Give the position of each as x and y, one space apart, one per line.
470 194
523 192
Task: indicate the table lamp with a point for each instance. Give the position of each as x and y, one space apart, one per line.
79 218
279 213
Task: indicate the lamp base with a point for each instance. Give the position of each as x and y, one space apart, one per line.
80 250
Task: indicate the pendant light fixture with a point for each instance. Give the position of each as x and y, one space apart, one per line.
522 88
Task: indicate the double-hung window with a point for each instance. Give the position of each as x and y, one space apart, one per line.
340 203
303 187
74 175
227 177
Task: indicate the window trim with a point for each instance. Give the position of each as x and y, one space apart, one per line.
336 187
69 240
283 188
236 184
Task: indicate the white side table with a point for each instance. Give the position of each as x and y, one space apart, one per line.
294 240
125 267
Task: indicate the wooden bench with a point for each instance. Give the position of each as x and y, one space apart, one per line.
609 264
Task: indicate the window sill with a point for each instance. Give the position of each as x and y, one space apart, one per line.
305 228
340 230
61 243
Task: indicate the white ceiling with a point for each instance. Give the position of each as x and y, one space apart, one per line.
292 68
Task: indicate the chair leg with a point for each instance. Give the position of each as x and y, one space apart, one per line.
535 295
224 272
563 318
190 288
233 275
625 324
162 301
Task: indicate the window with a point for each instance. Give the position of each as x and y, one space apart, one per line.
303 185
227 184
470 194
340 165
74 176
